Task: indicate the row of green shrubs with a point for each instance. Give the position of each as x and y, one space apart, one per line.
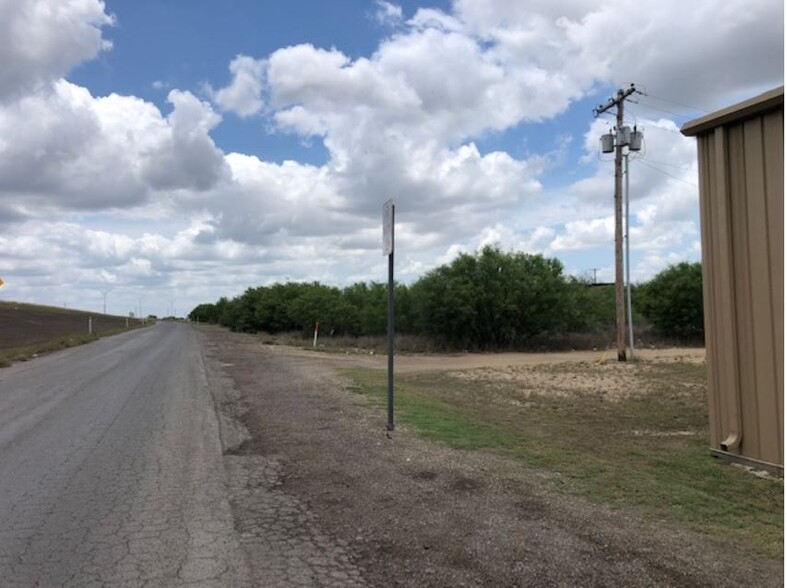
487 300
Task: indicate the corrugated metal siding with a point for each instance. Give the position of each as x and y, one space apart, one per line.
710 261
773 130
741 165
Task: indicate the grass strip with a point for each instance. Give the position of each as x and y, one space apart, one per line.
25 353
595 448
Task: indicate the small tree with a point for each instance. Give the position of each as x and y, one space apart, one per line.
672 301
493 299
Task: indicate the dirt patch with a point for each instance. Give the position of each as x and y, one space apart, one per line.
613 380
406 364
414 513
22 325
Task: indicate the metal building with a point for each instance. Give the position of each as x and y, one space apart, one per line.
741 170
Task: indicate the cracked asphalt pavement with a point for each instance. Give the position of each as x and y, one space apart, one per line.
112 472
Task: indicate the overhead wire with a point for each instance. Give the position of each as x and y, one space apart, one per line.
683 167
675 102
651 107
642 162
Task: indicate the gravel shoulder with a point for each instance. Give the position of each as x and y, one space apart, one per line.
365 508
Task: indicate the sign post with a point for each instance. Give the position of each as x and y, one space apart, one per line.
388 249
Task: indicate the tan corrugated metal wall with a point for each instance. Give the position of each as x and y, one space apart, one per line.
741 167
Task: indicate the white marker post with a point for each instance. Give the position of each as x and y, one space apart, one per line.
316 331
388 249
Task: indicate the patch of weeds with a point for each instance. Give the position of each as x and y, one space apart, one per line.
431 417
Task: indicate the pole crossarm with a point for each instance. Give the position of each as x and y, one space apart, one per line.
614 101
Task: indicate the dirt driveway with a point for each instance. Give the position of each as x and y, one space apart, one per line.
409 512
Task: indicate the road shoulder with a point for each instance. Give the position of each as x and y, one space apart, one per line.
407 512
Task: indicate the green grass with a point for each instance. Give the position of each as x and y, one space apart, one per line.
627 452
14 354
25 353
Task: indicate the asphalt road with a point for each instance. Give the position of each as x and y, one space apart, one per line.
111 468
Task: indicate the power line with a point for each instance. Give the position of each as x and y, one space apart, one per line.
666 173
683 167
651 107
676 103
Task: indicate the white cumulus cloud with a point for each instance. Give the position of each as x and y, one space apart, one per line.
64 149
388 13
244 94
41 40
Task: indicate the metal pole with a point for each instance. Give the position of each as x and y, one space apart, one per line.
620 317
628 264
391 326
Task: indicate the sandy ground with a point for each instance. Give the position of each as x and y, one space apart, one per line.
466 361
410 512
569 374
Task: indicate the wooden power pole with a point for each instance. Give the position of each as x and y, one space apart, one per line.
617 101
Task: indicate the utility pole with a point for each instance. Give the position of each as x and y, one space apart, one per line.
628 263
617 102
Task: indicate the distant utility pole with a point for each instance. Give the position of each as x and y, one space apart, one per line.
620 139
105 293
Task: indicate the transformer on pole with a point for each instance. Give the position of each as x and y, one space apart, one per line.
617 141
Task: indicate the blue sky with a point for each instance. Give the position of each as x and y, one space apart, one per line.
208 39
181 151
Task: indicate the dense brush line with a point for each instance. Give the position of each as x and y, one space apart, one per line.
488 300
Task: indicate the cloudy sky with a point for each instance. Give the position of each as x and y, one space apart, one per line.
169 153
